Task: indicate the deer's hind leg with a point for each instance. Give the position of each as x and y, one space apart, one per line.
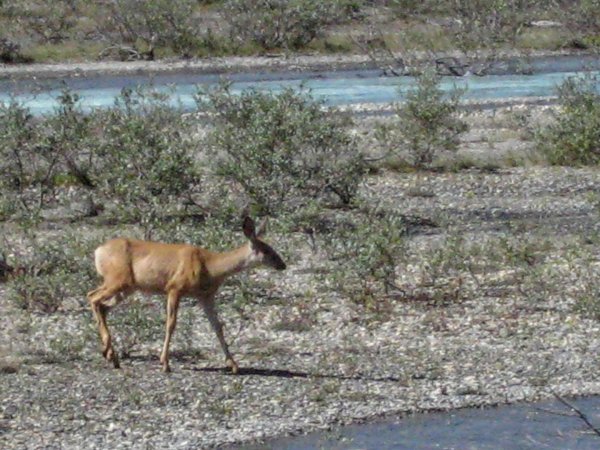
98 299
172 306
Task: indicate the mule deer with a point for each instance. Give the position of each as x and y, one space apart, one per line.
179 270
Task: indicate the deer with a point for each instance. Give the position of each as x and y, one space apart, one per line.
177 270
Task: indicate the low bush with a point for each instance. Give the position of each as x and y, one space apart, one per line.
366 254
425 125
136 155
283 150
583 15
147 25
10 52
67 140
52 271
289 24
144 161
573 138
129 29
37 155
19 168
48 21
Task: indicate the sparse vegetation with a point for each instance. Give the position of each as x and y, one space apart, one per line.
426 124
48 21
573 138
282 150
134 156
132 29
142 27
51 271
288 24
140 322
366 253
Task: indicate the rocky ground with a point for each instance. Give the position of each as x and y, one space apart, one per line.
494 303
241 64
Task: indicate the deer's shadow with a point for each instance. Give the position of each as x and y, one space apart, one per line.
285 373
262 372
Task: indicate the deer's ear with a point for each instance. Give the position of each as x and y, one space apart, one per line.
262 228
249 228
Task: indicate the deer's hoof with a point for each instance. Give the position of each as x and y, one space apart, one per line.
233 366
111 356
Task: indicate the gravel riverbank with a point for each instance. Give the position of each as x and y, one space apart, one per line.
312 358
235 64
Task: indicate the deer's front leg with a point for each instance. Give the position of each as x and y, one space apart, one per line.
172 306
209 308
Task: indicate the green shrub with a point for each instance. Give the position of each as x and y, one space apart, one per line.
582 274
148 24
53 270
214 232
26 167
484 23
283 149
136 155
144 157
584 15
424 125
574 136
367 253
592 41
49 21
16 134
10 52
289 24
37 155
66 141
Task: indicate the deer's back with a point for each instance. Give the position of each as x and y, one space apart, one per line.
150 266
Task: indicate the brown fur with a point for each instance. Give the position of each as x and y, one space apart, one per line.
178 270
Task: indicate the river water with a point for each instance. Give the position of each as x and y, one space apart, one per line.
347 87
547 425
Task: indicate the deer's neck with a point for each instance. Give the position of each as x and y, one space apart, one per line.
223 265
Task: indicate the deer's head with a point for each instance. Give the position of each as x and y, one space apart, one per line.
262 253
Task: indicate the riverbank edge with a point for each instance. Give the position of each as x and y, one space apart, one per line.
238 64
398 416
